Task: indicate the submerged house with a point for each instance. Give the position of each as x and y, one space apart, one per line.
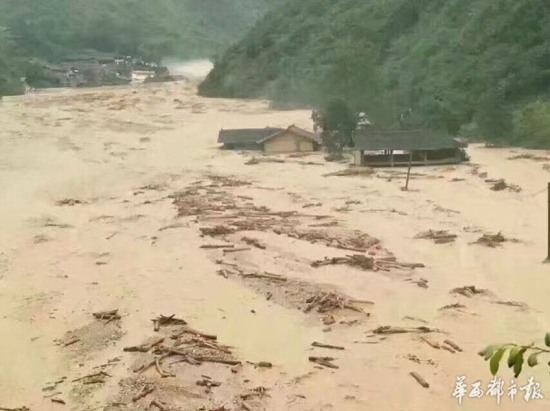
397 148
270 140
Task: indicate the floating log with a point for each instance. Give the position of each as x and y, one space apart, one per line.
269 276
453 345
419 379
331 347
235 250
217 246
145 390
324 361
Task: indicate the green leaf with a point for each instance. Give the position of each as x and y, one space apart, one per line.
532 359
487 352
512 357
547 339
495 360
518 364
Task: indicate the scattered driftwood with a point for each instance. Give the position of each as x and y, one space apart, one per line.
217 246
330 347
430 343
235 250
455 306
157 404
453 345
309 205
353 171
366 263
163 320
58 401
15 409
329 301
143 392
329 319
529 157
96 378
245 406
68 202
516 304
71 341
107 315
419 379
189 330
208 382
469 291
254 161
159 369
324 361
501 184
388 329
267 276
492 240
438 236
146 346
216 231
253 242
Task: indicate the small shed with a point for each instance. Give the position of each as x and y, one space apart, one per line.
397 148
293 139
245 138
270 139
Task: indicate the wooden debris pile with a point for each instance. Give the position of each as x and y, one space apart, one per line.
438 236
501 184
216 231
342 239
324 361
183 342
69 202
352 171
255 160
253 242
529 157
366 263
224 181
492 240
193 202
107 315
469 291
388 329
326 302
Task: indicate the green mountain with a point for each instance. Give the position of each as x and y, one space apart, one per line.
57 29
476 67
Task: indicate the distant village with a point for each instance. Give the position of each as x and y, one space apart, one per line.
102 70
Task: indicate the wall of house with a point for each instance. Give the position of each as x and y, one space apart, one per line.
288 142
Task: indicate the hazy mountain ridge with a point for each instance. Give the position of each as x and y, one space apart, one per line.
460 65
57 29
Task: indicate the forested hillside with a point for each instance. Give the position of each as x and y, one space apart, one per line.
468 66
55 29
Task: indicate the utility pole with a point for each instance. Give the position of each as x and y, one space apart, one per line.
548 232
409 173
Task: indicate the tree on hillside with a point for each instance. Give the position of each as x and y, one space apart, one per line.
337 122
516 356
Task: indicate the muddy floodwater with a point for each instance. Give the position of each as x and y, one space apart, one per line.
140 264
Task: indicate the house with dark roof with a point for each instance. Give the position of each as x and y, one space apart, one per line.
398 148
270 139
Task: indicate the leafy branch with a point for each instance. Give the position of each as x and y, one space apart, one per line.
516 356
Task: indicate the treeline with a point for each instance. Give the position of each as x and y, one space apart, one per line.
470 67
56 29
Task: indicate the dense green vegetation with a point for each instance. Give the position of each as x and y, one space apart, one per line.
464 66
57 29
